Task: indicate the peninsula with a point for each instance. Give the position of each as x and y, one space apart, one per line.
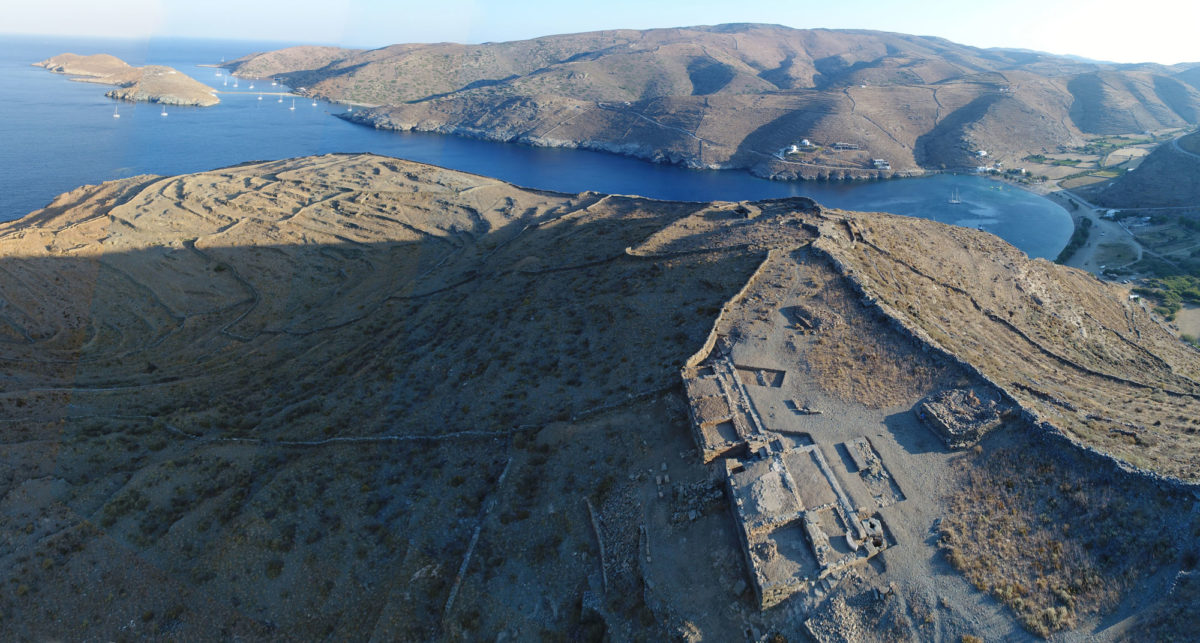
151 84
353 397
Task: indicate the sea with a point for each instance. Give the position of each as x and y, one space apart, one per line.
56 134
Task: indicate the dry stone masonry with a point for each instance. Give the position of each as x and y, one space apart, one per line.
800 530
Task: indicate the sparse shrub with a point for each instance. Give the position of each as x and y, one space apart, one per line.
274 567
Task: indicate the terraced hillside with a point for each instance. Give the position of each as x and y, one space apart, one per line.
736 95
353 396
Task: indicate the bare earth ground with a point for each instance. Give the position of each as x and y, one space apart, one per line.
351 397
1188 320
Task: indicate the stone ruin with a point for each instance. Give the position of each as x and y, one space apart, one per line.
799 529
961 416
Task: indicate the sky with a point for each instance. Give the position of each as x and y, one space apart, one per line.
1161 31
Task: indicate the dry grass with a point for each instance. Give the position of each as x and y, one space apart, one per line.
1052 538
859 357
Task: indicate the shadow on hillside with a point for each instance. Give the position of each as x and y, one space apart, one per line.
944 145
524 324
798 123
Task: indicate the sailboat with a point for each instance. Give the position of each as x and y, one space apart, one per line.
251 85
314 103
280 100
293 107
955 198
164 112
115 114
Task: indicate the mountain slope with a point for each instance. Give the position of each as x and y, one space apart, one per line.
735 95
1167 178
351 396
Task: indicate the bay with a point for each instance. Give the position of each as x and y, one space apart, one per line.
56 135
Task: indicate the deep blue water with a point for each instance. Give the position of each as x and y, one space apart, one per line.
56 135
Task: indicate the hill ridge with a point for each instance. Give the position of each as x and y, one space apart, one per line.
750 92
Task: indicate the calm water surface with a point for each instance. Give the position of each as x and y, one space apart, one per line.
56 135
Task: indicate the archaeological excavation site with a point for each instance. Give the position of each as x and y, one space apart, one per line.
352 397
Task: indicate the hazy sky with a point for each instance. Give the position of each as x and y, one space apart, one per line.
1119 30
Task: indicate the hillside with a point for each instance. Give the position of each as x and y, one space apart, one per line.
351 396
1166 179
151 83
734 96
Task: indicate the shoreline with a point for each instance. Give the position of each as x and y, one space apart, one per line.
668 159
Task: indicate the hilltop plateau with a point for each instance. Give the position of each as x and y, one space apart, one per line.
351 396
151 83
741 95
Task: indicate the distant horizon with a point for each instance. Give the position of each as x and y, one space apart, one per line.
1152 31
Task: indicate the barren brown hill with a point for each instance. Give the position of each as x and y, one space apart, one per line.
735 96
152 83
353 396
288 60
94 65
1167 178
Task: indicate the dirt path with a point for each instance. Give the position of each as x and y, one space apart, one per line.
1183 151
